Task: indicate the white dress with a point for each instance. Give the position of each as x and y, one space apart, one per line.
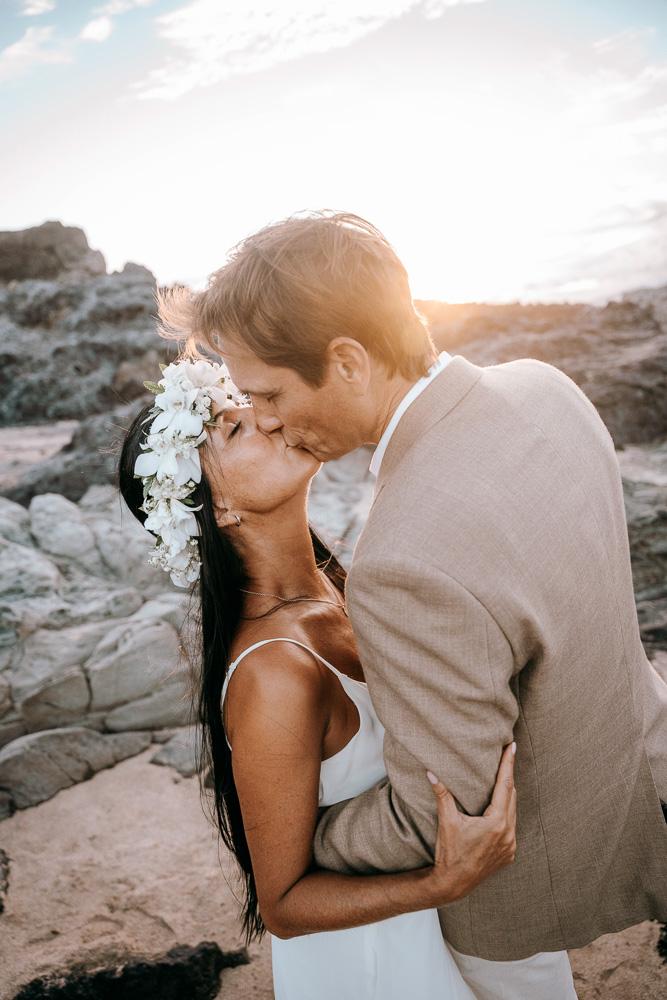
393 959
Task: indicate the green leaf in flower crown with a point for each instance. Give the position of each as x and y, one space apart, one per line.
162 367
154 387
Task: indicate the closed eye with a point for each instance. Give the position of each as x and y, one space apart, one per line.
234 430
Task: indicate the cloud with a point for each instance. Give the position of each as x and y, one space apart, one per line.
34 48
97 30
101 27
33 8
116 7
216 39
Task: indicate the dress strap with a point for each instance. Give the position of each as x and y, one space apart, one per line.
234 664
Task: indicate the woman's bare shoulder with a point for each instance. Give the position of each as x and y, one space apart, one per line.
281 680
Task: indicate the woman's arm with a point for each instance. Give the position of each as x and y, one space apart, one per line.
277 713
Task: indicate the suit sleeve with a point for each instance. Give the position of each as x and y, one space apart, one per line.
440 674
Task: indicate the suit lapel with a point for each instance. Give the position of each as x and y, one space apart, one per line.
437 400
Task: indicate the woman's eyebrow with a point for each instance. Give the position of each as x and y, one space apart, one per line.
257 392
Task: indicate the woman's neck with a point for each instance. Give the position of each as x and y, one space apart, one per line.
279 557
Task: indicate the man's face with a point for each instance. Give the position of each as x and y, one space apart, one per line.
321 420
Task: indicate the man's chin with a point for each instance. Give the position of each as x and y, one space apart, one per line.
327 456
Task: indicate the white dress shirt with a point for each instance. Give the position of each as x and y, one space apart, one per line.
443 360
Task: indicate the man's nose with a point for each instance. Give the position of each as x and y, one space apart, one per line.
267 422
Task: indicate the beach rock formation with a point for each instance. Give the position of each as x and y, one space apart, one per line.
37 766
90 638
616 353
76 344
48 251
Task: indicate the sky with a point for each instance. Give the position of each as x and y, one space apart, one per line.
509 149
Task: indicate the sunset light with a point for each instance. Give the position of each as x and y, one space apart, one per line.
509 150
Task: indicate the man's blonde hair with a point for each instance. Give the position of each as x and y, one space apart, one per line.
290 289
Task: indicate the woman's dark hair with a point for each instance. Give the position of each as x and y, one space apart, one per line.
221 578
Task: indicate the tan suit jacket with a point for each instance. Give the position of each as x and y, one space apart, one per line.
491 596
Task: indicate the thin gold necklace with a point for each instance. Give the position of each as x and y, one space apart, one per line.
290 600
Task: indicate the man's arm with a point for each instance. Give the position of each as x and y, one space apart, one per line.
438 668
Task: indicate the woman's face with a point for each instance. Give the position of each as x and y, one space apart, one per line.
249 469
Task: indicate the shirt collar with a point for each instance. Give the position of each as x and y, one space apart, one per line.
376 461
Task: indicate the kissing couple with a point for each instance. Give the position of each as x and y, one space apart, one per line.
443 770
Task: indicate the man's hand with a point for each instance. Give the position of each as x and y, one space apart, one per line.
470 848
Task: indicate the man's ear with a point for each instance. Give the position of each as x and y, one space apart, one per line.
350 361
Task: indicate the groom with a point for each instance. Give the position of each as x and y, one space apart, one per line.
490 594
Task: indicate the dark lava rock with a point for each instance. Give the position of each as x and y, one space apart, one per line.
662 943
4 878
47 251
183 973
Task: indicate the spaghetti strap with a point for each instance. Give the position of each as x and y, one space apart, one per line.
263 642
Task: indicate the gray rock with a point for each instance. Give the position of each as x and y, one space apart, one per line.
25 572
125 547
644 470
88 600
7 807
14 522
179 752
169 706
47 251
132 661
162 735
34 767
58 527
340 498
5 696
47 654
59 702
11 729
170 607
64 342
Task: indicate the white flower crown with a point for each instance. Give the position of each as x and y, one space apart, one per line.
169 466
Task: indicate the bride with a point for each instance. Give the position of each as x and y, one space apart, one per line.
287 723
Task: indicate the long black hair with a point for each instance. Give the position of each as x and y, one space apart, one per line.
222 576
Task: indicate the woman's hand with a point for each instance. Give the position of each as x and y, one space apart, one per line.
470 848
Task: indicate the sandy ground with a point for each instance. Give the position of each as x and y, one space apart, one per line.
127 862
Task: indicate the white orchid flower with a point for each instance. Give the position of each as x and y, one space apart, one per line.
170 464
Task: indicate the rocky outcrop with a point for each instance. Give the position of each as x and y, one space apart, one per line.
33 768
73 348
75 345
644 470
90 634
617 354
48 251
